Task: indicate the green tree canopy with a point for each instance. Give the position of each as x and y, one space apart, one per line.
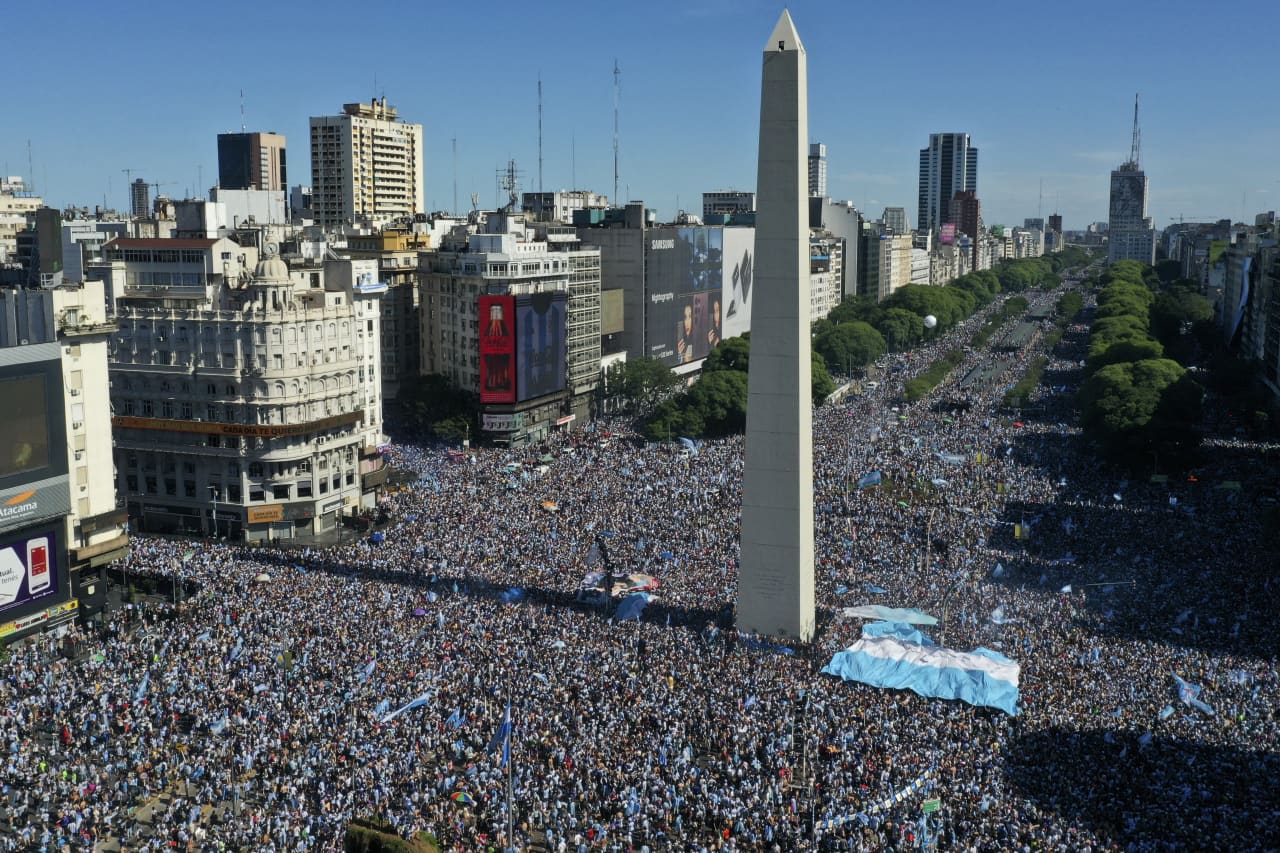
1128 405
1176 307
849 345
730 354
643 382
900 328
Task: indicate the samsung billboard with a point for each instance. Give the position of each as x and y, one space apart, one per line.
684 283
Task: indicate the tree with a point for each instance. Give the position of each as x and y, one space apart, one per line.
645 381
1127 350
1134 405
900 328
729 354
849 345
720 400
1175 309
821 385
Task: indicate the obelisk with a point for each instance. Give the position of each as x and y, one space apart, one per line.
775 582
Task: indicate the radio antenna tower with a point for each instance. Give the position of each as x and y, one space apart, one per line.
455 176
1135 148
242 110
539 138
509 180
617 93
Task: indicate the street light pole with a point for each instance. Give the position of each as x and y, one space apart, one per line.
213 491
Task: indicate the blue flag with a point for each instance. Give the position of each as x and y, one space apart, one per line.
502 738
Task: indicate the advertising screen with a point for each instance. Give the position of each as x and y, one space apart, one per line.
739 262
24 430
542 345
497 349
29 568
948 234
685 280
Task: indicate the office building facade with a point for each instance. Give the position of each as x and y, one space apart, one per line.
252 161
948 166
818 169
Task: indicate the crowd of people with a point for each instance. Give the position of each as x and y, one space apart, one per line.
296 688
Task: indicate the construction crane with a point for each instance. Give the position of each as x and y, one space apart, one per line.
1180 218
156 185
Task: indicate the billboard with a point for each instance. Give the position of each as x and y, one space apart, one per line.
33 442
542 344
948 233
497 349
30 568
739 264
684 280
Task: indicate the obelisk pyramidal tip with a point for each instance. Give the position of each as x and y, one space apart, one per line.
775 580
784 35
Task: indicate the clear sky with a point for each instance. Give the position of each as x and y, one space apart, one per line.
1045 89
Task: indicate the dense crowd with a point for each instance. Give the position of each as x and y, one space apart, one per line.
260 714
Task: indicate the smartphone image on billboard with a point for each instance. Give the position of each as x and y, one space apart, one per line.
38 576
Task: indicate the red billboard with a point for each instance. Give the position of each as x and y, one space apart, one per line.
497 349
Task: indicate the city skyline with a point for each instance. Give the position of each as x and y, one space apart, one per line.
1049 103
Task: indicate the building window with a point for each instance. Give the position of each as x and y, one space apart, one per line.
255 469
280 493
304 488
131 483
148 409
189 487
151 485
233 493
257 496
171 487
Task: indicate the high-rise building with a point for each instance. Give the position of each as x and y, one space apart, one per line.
948 166
727 202
966 215
252 161
1130 234
1055 222
140 199
818 169
366 166
895 219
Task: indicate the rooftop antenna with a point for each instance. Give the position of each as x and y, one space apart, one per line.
509 180
455 176
617 93
31 170
242 110
1135 148
539 135
1040 202
573 159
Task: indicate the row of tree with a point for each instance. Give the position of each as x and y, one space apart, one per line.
716 404
1135 399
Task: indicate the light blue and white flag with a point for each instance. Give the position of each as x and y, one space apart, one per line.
502 738
868 480
367 671
998 617
416 703
889 614
1190 694
455 720
690 445
952 458
141 692
982 677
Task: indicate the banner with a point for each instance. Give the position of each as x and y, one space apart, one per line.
889 614
497 349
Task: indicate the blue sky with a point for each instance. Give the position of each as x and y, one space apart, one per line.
1046 90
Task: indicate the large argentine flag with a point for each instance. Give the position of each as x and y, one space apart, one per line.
981 677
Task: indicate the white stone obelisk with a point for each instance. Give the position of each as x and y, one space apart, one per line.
775 584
